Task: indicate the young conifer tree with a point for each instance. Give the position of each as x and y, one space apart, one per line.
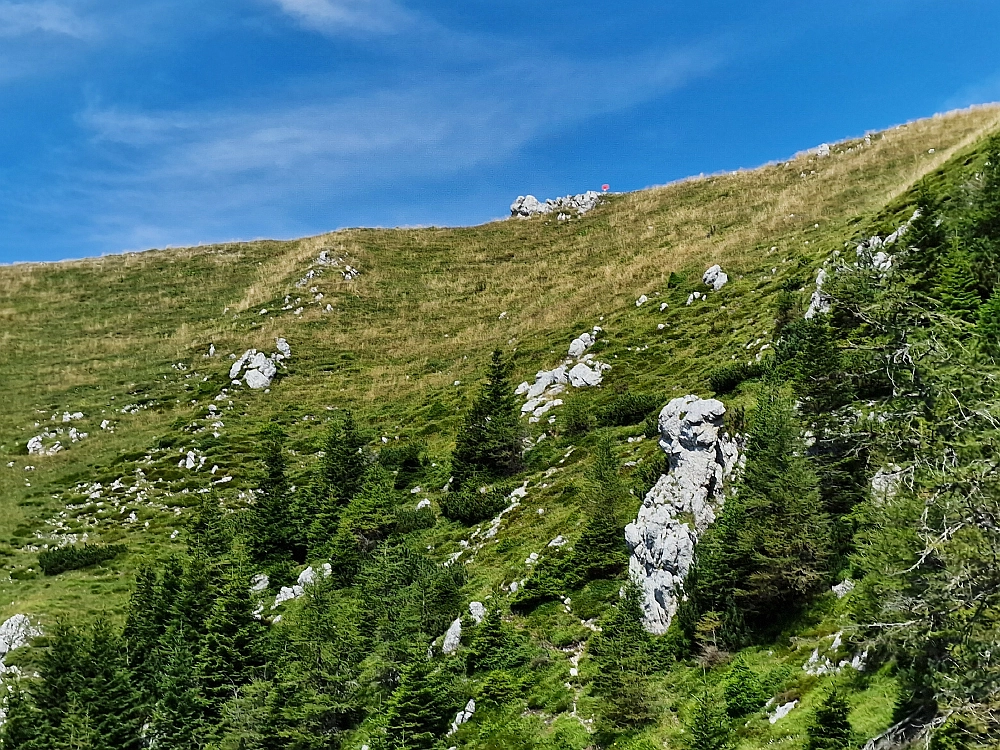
830 729
272 528
621 655
601 551
489 443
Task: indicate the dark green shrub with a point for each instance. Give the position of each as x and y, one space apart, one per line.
743 691
470 505
408 521
628 409
406 459
59 560
725 379
578 417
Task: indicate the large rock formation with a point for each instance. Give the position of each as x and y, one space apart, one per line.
528 205
681 504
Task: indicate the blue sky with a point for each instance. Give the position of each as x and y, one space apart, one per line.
130 124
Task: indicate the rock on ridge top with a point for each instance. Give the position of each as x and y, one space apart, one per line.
528 205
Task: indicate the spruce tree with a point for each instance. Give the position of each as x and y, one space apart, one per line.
420 709
743 690
489 443
830 729
61 674
926 241
345 460
981 225
988 327
209 532
142 633
621 652
369 518
22 725
231 649
272 528
111 701
708 728
337 479
957 285
178 718
601 550
769 547
494 645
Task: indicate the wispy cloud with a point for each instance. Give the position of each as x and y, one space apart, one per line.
20 19
201 170
338 16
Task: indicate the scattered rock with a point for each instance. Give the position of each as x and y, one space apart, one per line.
528 205
715 277
580 344
582 376
463 716
259 582
702 459
477 611
843 588
425 503
782 711
643 299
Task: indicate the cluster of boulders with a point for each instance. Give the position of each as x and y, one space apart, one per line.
325 258
258 369
681 505
287 593
528 205
872 252
833 658
580 370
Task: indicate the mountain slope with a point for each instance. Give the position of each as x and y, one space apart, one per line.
404 343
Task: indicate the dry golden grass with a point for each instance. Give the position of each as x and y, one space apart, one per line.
112 318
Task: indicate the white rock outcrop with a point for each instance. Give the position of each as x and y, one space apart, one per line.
715 277
662 538
306 578
528 205
579 370
15 632
259 369
819 302
452 637
463 716
477 611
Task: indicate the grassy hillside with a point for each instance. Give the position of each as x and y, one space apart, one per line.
404 344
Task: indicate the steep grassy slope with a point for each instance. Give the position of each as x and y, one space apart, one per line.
404 344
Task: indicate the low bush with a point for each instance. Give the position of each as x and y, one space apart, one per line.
725 379
408 520
628 409
59 560
470 505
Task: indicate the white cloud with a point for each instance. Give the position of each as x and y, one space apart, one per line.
334 16
20 19
254 167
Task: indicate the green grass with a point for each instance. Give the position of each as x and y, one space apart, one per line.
99 334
